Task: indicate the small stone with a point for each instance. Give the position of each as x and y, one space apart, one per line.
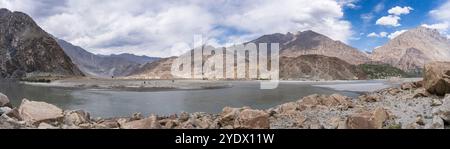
170 124
184 116
136 116
421 92
370 98
5 110
444 110
407 86
333 123
146 123
394 91
436 102
46 126
420 121
437 123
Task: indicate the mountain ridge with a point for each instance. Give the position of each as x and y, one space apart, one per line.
27 51
104 65
411 50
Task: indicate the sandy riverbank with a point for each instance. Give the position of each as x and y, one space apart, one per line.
132 84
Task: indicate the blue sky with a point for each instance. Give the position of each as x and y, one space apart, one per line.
167 27
420 14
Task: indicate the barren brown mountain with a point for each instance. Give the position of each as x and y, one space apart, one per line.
411 50
28 51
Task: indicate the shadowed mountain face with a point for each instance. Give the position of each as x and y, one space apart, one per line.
28 51
412 49
310 42
318 67
104 65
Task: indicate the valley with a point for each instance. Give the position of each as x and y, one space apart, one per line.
323 83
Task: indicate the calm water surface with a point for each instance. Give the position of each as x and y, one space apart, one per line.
110 103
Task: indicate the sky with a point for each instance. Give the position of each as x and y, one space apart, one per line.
168 27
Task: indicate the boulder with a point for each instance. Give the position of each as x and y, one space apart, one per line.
370 98
184 117
394 91
5 110
368 120
228 115
7 123
335 100
76 117
146 123
437 78
36 112
252 119
437 123
309 101
4 101
287 108
407 86
444 110
342 101
421 92
14 113
108 124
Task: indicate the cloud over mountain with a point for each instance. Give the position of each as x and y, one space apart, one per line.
153 27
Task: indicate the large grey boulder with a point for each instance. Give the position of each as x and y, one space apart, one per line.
437 78
35 112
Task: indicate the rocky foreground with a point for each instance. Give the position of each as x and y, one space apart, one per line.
418 105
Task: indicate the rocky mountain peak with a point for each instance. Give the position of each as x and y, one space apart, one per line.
28 51
312 43
412 49
423 32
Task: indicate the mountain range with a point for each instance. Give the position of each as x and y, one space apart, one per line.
26 49
104 65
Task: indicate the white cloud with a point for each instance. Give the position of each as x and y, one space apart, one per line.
396 33
394 16
442 16
153 27
380 35
348 3
397 10
389 20
442 12
373 34
438 26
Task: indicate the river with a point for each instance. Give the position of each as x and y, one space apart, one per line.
114 103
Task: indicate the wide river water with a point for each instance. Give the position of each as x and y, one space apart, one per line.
113 103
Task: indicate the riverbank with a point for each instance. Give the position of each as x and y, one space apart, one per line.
414 105
127 84
133 84
408 106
